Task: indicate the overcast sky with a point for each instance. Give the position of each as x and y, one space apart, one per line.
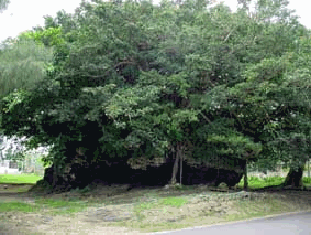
23 15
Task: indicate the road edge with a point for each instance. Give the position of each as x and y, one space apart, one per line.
233 222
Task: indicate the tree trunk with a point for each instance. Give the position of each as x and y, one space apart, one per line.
294 176
175 169
245 178
180 166
55 174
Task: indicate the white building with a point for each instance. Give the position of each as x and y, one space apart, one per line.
13 145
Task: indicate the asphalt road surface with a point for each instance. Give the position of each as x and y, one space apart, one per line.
293 224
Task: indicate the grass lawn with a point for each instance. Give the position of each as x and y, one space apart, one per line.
146 211
19 178
257 183
46 206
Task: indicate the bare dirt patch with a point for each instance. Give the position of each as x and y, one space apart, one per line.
43 224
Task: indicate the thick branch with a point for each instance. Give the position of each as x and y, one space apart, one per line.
206 118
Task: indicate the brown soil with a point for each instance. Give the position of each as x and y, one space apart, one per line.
107 218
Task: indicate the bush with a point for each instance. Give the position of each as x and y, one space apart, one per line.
306 180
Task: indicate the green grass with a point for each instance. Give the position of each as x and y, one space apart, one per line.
306 180
19 207
159 203
167 201
138 209
20 178
257 183
243 209
173 201
50 206
76 205
16 190
61 206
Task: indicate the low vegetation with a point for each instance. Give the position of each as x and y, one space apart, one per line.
147 210
19 178
258 183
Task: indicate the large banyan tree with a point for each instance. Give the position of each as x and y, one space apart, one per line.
183 83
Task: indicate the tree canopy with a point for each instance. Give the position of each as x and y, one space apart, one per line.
133 79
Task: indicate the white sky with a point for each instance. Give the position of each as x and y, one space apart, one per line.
22 15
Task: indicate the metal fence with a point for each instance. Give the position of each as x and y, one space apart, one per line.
33 163
281 169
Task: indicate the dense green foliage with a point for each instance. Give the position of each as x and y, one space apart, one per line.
138 80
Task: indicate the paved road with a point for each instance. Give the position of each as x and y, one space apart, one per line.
294 224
